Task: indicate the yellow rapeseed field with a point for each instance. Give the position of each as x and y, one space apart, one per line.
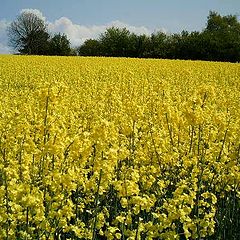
111 148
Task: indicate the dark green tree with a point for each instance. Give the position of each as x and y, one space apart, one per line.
219 41
222 34
185 45
216 22
59 45
28 34
116 42
140 45
158 45
194 46
90 47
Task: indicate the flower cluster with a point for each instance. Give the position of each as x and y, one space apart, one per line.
110 148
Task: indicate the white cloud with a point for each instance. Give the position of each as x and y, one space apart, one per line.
76 33
134 29
4 49
79 33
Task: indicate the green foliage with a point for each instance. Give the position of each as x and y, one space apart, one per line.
219 41
116 42
222 35
158 43
141 44
218 23
59 45
90 47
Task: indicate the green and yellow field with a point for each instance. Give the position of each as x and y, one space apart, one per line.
110 148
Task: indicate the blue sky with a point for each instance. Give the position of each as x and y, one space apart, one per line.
83 19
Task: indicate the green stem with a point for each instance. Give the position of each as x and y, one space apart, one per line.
95 204
224 139
169 130
191 140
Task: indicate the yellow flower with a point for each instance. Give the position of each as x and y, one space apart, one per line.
118 235
117 147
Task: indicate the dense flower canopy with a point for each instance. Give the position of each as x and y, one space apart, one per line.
118 148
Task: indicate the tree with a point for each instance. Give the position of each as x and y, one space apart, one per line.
159 46
116 42
217 22
219 41
90 47
140 45
28 34
59 45
223 35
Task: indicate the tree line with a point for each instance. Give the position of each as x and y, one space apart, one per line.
218 41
